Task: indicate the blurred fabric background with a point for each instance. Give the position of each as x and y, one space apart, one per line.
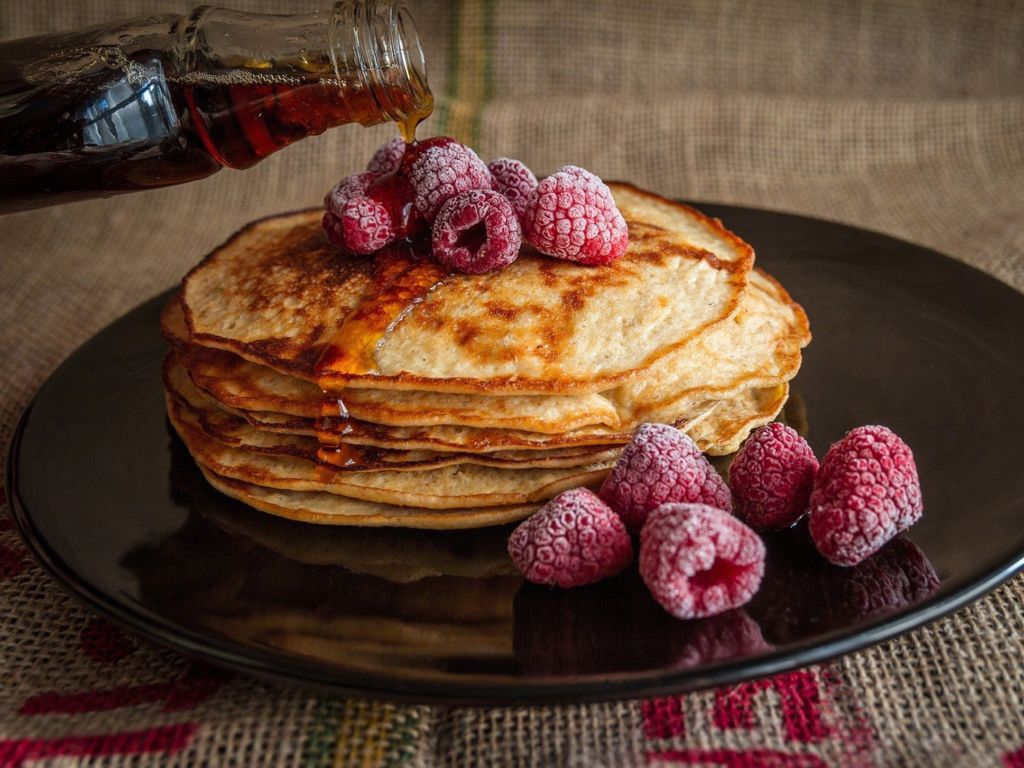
903 117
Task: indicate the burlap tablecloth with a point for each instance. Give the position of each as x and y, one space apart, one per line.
905 117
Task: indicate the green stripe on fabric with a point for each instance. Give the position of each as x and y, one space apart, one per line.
322 739
488 88
451 86
404 736
470 87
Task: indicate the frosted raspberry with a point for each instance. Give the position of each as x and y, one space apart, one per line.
866 492
573 216
698 560
438 169
387 158
333 229
661 464
349 187
572 540
361 227
476 232
771 477
515 181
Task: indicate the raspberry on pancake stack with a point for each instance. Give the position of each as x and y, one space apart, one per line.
451 343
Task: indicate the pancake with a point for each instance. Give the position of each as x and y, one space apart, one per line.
330 509
234 431
278 294
241 384
758 347
454 437
725 430
383 391
447 487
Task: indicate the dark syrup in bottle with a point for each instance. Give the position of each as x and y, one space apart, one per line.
151 102
132 128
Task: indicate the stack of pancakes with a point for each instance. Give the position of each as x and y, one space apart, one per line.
384 391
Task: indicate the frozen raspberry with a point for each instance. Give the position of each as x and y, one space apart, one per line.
771 477
515 181
572 540
698 560
349 187
438 169
573 216
661 464
476 232
866 492
387 158
362 226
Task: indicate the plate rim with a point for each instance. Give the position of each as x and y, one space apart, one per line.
278 667
265 664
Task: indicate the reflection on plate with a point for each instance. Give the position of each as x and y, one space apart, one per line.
452 601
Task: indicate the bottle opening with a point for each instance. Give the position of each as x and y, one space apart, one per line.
376 46
415 64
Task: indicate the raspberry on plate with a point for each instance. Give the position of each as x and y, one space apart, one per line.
572 540
698 560
387 158
659 465
572 215
866 492
515 181
771 477
438 169
476 232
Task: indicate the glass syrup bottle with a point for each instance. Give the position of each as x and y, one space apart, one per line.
167 99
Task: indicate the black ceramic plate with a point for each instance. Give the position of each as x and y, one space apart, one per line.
115 510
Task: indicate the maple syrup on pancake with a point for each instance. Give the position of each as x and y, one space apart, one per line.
401 279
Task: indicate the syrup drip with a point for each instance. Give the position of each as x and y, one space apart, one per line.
407 126
347 456
400 281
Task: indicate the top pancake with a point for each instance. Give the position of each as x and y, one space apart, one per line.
277 293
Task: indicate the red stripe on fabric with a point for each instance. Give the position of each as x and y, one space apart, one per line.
193 688
168 739
800 699
1014 759
104 643
664 717
12 562
736 758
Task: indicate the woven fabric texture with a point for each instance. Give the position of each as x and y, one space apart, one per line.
903 117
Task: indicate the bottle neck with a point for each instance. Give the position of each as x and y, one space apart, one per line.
379 43
255 83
